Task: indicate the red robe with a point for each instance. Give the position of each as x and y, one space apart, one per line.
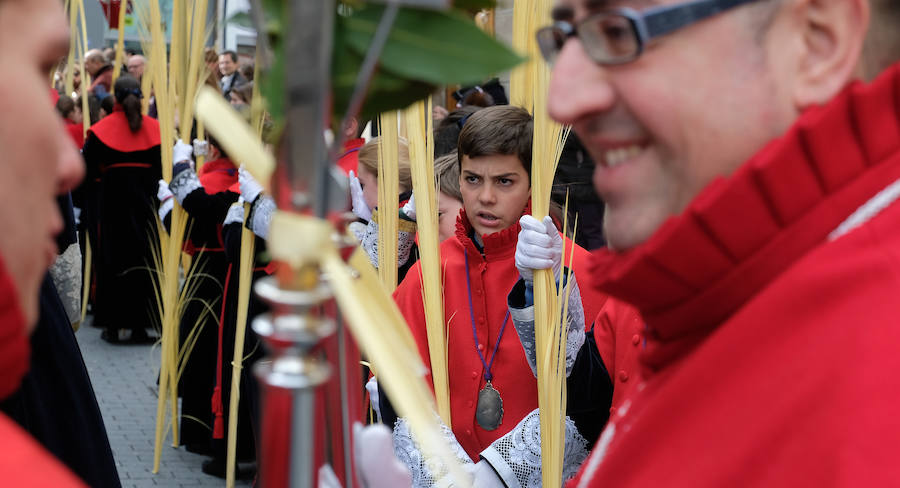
492 277
772 352
23 462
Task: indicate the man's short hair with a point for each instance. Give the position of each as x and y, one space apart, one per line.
498 130
96 56
233 55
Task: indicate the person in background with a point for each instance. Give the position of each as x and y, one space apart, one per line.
446 172
231 77
122 154
135 65
246 70
101 73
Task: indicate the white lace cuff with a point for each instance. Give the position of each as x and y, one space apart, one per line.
516 457
261 215
183 184
66 274
523 321
368 239
425 472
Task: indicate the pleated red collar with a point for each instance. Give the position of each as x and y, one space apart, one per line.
14 345
743 231
499 245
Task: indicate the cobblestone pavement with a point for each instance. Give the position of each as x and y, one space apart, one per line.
124 379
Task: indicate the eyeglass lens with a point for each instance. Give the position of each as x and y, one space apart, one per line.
608 39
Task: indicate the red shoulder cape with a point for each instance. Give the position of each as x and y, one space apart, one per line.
113 131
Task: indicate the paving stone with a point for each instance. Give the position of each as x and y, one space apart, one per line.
124 379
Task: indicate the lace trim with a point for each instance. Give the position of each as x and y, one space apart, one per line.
183 184
523 321
66 275
423 470
261 216
516 456
368 239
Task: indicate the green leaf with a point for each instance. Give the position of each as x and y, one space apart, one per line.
430 46
387 91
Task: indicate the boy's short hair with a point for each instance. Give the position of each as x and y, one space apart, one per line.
498 130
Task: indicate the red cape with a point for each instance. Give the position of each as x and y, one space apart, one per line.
772 344
218 176
113 131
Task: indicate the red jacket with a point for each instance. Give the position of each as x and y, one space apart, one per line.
492 277
772 352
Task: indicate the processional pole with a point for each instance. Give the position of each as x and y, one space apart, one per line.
296 294
292 373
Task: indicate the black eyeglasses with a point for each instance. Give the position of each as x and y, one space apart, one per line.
619 36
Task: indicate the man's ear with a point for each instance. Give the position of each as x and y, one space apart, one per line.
832 36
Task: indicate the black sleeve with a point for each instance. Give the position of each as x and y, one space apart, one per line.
589 391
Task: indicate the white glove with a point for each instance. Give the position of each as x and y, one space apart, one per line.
201 148
409 208
376 464
163 193
182 152
539 247
360 208
372 388
250 188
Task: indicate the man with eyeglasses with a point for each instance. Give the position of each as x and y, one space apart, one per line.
751 210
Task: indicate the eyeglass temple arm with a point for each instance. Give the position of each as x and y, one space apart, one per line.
663 20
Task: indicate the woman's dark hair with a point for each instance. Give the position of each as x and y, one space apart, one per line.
128 94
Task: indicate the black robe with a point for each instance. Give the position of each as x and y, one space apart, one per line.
123 170
207 279
248 404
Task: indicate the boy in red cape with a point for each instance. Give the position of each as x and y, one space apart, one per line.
492 383
40 162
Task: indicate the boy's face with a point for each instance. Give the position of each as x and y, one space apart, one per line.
448 211
495 190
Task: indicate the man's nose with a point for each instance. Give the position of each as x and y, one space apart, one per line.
70 166
578 85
